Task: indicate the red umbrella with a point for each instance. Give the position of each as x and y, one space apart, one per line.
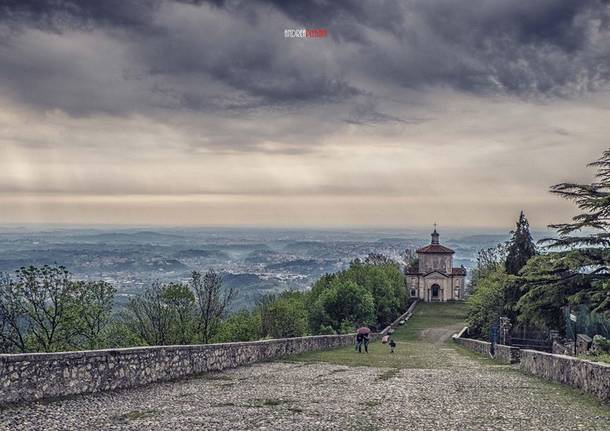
364 330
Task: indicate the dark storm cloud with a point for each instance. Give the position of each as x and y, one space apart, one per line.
142 56
59 14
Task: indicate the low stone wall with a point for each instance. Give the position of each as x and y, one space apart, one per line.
591 377
28 377
404 316
504 354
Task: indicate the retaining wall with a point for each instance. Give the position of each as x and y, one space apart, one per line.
28 377
404 316
591 377
504 354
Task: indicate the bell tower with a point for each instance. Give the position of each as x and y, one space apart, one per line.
435 236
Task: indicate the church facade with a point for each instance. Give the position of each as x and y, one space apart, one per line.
435 279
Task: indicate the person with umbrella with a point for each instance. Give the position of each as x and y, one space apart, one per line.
362 337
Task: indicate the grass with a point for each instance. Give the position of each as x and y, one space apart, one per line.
602 357
412 351
431 315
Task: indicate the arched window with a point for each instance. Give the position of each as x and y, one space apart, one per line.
436 289
413 292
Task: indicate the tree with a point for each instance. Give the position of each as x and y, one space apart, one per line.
284 315
575 271
377 259
242 326
488 260
34 308
148 316
520 247
519 250
13 318
180 302
212 304
43 309
342 305
382 280
486 305
92 313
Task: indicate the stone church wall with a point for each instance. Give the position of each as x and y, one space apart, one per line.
28 377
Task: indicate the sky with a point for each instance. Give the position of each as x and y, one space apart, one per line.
204 113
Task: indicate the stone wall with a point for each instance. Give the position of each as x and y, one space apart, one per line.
504 354
27 377
404 316
591 377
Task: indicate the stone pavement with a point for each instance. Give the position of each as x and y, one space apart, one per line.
428 384
469 395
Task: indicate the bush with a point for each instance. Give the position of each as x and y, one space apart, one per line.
486 304
284 316
242 326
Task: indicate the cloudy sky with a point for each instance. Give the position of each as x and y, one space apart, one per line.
178 112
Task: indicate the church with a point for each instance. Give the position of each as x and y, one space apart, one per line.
434 279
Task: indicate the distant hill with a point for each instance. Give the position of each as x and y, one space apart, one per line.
203 253
142 236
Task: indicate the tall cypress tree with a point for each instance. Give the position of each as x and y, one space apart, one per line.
519 250
521 246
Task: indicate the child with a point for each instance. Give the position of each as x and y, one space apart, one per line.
392 345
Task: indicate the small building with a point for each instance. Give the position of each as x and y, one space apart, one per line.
435 279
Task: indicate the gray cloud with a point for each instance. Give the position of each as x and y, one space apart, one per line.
143 56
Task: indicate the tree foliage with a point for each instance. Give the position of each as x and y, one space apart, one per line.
43 310
575 271
342 306
149 317
284 315
212 302
520 247
487 304
244 325
494 291
384 283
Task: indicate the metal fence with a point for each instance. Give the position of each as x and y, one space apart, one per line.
582 321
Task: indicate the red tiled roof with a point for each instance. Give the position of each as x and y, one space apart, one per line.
458 271
435 248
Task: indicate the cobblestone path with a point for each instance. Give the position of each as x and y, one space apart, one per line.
456 392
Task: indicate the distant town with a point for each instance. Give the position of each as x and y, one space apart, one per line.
254 261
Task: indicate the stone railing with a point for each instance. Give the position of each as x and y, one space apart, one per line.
404 316
28 377
503 354
591 377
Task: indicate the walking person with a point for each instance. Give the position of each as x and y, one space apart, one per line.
363 333
365 341
392 345
358 342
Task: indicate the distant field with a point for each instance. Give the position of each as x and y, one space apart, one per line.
417 342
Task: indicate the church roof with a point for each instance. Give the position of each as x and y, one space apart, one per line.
458 271
435 248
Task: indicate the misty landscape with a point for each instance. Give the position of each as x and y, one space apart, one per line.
254 261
